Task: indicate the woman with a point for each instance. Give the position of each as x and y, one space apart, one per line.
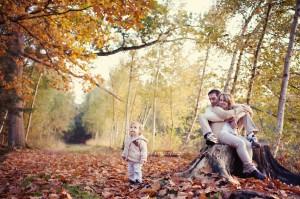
229 136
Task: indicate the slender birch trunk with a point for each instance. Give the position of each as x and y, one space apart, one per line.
196 109
3 122
32 106
154 105
171 115
230 70
238 65
144 117
128 97
132 105
113 128
285 77
257 52
237 70
2 126
237 47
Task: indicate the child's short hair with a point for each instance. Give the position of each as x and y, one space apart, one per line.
139 125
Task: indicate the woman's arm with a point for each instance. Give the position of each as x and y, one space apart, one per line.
245 107
227 114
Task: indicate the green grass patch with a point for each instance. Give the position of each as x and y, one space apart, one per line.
27 181
77 192
37 194
44 176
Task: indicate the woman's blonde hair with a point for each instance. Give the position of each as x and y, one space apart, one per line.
227 98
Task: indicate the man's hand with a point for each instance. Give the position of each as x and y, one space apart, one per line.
247 109
253 139
210 138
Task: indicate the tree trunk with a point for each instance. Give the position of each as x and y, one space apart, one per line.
113 127
143 117
171 115
237 48
128 97
230 70
3 122
97 135
257 52
237 70
132 104
196 109
154 105
16 136
2 127
223 159
285 77
16 131
32 106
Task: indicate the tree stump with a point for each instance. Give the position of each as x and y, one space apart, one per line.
270 166
223 159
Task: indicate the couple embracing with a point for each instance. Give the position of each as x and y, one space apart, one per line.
220 123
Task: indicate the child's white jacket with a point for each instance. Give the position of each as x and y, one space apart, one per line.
135 149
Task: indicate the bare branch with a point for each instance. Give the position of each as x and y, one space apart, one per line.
109 92
27 17
295 73
295 87
70 73
180 39
50 65
263 111
144 45
127 48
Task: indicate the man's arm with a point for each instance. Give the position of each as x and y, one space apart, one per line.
207 131
227 114
205 127
212 116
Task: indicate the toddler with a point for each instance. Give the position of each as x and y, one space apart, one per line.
135 152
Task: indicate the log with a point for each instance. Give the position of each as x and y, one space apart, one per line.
223 159
245 194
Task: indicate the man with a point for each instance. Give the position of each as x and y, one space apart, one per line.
212 120
216 118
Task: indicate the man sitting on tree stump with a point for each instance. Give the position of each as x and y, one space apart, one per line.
219 123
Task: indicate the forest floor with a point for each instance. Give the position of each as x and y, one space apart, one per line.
89 173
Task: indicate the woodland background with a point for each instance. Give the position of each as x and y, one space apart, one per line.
48 45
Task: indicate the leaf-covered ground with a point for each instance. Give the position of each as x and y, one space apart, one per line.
55 174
